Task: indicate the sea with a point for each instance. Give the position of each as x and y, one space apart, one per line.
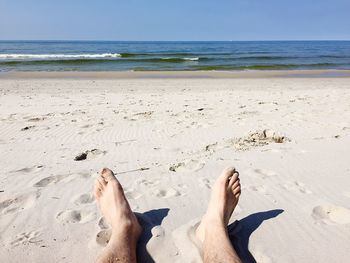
165 56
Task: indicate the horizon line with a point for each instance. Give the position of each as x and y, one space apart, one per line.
103 40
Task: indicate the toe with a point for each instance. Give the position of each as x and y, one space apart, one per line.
234 179
238 195
102 181
97 191
226 174
235 184
237 190
107 175
99 184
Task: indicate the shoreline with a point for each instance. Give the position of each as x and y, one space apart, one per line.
251 74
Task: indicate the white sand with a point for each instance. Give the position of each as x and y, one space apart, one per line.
295 205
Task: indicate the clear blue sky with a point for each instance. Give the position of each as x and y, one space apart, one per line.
175 20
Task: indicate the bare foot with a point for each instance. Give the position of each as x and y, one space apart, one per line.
115 208
223 200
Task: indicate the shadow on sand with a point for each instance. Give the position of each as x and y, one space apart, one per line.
240 232
148 220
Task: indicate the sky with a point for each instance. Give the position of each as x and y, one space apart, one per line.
176 20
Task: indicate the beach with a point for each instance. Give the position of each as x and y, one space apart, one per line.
167 136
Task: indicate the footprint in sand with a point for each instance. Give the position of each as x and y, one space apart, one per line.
297 187
80 175
18 203
75 216
264 173
66 178
103 237
102 223
83 199
261 189
187 166
258 188
131 194
182 186
166 193
26 238
206 183
49 180
147 183
331 214
33 169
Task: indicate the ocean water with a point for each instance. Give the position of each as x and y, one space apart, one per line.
144 56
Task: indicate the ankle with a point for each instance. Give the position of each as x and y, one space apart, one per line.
126 228
214 220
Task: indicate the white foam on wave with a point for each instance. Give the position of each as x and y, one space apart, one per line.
59 56
191 59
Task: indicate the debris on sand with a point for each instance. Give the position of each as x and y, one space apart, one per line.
187 166
257 139
145 114
174 167
36 119
142 115
211 147
27 128
139 116
81 156
88 154
135 170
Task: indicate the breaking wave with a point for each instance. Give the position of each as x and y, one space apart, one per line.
58 56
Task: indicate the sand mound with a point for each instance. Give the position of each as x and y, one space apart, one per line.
331 214
257 139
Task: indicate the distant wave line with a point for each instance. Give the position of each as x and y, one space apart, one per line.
58 56
95 61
